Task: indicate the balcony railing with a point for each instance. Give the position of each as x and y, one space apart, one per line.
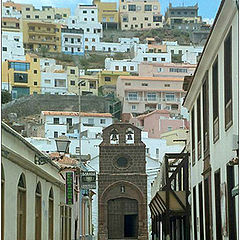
155 100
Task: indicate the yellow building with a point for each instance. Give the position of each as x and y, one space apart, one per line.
22 77
72 79
107 14
11 24
140 14
89 84
110 77
37 34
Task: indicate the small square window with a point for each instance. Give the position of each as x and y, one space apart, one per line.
92 19
116 67
107 79
163 59
35 83
132 68
55 134
36 16
92 11
154 59
35 71
84 11
4 49
66 48
85 19
48 17
72 71
134 107
145 59
27 16
102 121
35 59
72 82
55 120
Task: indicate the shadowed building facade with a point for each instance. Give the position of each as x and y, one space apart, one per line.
122 184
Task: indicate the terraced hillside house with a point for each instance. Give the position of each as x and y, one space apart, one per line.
107 14
46 13
110 77
58 123
41 34
22 77
72 41
140 14
140 94
183 17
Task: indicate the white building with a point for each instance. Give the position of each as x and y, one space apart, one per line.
12 46
10 12
72 41
189 53
132 65
58 123
212 101
54 82
121 65
87 13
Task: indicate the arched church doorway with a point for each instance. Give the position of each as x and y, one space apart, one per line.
122 218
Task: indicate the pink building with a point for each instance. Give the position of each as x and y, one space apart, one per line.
158 122
147 69
141 94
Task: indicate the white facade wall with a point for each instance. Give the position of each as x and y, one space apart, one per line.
49 65
129 40
189 53
12 46
76 47
221 152
153 57
111 64
48 83
87 13
62 127
10 12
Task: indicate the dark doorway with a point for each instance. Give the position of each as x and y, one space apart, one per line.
122 218
218 205
130 226
207 208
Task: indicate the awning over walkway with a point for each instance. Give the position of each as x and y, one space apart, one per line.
177 202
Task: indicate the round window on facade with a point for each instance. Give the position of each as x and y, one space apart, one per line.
122 162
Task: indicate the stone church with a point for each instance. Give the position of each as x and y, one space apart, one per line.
122 184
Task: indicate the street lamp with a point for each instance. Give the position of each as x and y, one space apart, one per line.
79 109
62 143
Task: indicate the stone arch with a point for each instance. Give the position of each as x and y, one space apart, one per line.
113 192
22 181
108 192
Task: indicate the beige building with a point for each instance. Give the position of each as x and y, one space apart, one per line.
46 13
176 137
140 14
37 34
32 195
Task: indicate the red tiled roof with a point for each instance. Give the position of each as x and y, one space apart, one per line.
83 114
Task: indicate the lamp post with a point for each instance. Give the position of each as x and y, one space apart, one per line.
62 143
79 109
